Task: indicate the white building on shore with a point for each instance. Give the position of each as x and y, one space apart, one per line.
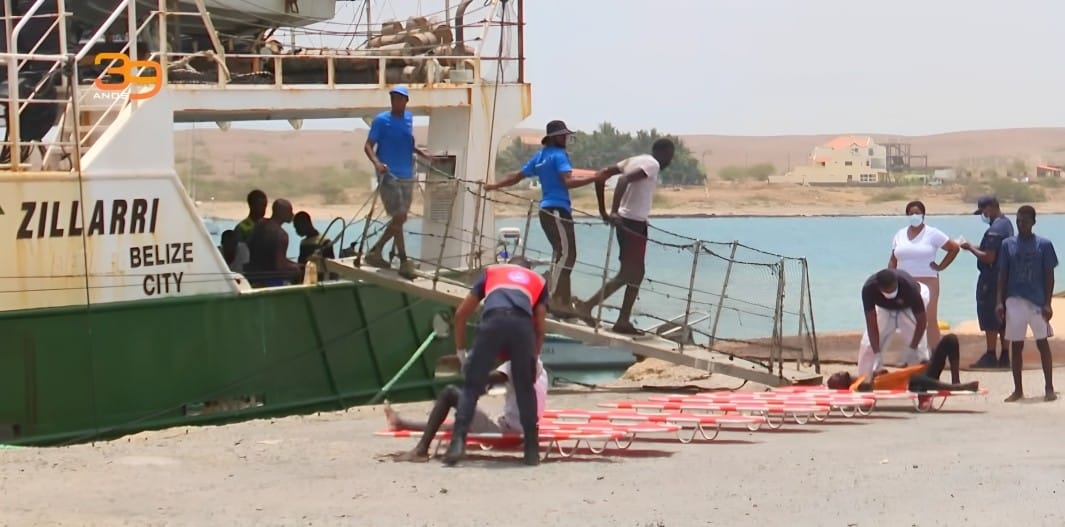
841 161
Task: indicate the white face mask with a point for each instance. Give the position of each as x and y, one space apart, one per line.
891 295
916 219
985 219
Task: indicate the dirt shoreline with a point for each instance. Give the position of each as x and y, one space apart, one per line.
718 199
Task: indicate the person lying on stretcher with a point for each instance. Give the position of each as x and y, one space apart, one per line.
508 422
917 378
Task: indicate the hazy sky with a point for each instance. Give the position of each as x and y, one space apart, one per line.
769 67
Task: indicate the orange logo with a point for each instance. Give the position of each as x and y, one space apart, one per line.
124 68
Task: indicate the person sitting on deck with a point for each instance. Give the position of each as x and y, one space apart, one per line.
917 378
312 241
268 248
256 212
234 251
507 422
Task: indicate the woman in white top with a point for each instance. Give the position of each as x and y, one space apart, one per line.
914 250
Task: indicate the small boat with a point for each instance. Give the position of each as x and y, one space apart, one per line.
510 243
563 353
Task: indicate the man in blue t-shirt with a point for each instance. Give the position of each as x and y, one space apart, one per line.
999 228
390 147
551 165
1026 265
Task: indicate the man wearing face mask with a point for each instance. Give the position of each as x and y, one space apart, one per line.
893 301
999 228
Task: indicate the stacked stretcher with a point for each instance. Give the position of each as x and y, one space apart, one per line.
691 416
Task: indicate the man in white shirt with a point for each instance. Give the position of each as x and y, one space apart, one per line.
507 422
629 212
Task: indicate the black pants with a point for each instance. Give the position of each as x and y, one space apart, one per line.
947 349
557 224
501 330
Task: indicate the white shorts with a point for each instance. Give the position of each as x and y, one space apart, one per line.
890 322
484 424
1022 314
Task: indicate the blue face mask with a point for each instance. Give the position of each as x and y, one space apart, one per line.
985 219
916 220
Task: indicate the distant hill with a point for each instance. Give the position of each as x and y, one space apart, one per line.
227 161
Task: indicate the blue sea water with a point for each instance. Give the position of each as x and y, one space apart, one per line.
841 253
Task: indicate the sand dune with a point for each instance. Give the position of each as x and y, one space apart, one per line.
229 153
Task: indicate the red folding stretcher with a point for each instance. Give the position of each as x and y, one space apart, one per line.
922 401
799 412
699 424
553 437
847 404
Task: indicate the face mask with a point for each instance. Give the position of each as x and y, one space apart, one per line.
985 219
916 219
891 295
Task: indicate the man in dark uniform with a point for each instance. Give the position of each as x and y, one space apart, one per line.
999 228
512 324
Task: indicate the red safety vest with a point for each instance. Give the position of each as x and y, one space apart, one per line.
514 277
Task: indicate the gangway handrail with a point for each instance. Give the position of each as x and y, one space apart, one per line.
696 311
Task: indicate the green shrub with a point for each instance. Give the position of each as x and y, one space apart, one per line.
1006 190
890 195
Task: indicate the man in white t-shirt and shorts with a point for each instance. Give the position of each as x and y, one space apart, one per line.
507 422
629 211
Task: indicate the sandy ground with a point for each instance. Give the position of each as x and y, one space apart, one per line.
978 462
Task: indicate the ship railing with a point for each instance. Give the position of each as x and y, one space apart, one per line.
48 99
370 69
81 109
331 70
454 60
732 298
31 77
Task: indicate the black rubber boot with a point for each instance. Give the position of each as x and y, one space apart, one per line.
456 449
532 449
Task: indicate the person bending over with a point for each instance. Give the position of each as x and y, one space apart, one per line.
507 422
916 378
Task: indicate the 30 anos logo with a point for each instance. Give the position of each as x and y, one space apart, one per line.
124 67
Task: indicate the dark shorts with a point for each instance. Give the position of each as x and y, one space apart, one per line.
632 241
985 303
396 193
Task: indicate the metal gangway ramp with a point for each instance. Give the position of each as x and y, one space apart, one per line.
448 292
744 311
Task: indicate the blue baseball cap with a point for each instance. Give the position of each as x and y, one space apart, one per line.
984 202
402 90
